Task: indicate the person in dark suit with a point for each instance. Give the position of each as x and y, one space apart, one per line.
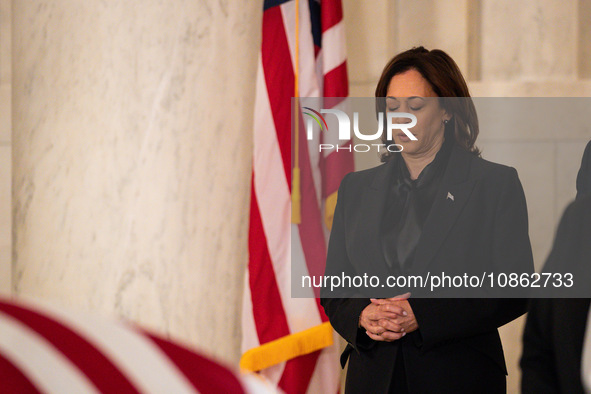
584 175
436 204
555 328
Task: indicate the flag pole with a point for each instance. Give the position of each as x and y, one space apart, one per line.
296 198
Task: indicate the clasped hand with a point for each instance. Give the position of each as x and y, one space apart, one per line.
388 319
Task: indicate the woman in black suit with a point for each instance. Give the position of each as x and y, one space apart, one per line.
436 204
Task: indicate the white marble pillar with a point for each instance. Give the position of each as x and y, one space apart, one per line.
132 151
5 151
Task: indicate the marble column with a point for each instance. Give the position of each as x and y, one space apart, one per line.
132 149
5 151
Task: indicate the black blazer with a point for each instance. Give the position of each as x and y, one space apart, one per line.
457 347
555 328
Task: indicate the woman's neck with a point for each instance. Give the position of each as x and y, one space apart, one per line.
416 162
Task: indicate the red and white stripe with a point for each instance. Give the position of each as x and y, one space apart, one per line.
48 349
269 311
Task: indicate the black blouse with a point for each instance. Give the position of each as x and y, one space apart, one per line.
408 206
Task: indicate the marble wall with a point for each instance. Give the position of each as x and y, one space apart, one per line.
132 151
5 149
505 48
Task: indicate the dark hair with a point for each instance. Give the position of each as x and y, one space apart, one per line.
446 80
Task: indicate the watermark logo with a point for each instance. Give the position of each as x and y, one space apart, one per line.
344 129
309 127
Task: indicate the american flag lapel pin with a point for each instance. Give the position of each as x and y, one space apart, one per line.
450 196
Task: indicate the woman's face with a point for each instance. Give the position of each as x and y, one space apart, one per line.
410 92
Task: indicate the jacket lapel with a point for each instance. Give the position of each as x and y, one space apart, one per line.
373 204
451 197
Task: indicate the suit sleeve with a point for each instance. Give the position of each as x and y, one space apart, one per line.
343 308
537 360
444 319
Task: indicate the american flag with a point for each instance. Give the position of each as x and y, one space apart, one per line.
302 55
49 349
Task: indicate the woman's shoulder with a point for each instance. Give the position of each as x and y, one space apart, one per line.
486 168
